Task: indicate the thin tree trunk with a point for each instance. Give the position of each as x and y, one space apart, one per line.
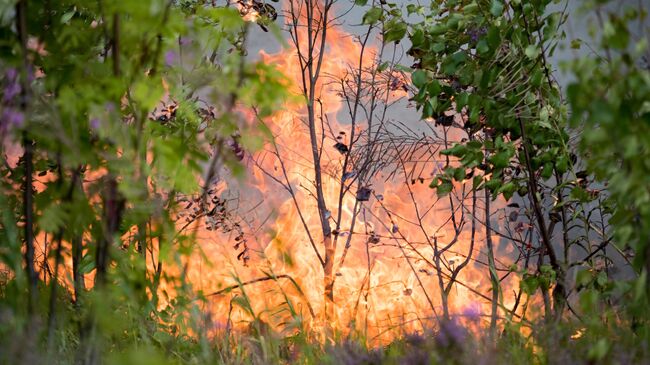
311 61
28 164
441 284
328 279
113 207
77 275
559 291
51 321
158 268
545 296
112 214
113 204
32 278
494 279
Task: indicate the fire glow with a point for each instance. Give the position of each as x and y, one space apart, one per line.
397 243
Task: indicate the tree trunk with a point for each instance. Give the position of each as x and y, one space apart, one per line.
559 292
328 281
494 279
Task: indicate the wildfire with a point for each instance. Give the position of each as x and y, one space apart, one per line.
397 243
386 281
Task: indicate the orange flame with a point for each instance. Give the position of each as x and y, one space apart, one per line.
388 282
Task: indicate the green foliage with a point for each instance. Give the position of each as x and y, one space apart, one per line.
609 102
481 66
123 104
474 60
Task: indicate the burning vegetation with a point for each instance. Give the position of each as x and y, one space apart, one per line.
168 184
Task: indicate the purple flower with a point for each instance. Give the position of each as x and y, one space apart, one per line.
11 90
185 41
30 74
13 87
170 57
351 353
94 123
110 107
11 74
415 339
12 118
451 333
472 312
416 357
476 33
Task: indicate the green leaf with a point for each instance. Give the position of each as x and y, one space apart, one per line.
52 218
471 8
501 159
496 8
583 278
601 279
536 78
148 92
427 110
383 66
65 18
493 184
444 188
87 264
395 30
228 18
437 29
599 350
461 100
438 47
476 181
562 164
372 16
576 43
482 46
457 150
494 37
532 51
412 8
529 284
360 2
547 171
459 174
508 190
615 34
419 78
434 88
